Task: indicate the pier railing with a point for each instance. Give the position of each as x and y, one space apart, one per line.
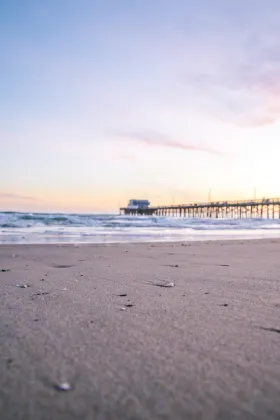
263 201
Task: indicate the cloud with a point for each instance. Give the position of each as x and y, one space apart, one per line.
157 139
11 196
234 71
242 103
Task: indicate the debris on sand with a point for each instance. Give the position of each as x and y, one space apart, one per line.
5 270
122 295
129 305
123 309
63 266
41 293
225 304
63 386
172 265
23 286
171 284
276 330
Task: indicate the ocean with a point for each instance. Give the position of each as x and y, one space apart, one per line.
42 228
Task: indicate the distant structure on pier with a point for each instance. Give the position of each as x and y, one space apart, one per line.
138 204
266 208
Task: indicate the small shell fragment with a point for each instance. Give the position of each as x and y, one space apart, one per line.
171 284
63 386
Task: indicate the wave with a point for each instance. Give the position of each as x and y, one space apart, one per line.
16 227
111 222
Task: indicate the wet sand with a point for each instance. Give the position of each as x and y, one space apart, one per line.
207 348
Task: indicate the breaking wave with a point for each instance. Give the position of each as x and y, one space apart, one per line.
120 228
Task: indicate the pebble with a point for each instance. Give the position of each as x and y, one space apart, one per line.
23 286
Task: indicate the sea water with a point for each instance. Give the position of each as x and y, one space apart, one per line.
35 228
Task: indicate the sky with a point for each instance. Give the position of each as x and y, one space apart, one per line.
105 101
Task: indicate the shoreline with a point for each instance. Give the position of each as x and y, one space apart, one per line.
102 318
272 239
159 242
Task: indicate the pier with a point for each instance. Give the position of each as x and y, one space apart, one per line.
266 208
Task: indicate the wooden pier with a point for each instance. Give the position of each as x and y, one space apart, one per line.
267 208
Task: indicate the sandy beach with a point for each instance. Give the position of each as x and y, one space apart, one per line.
96 318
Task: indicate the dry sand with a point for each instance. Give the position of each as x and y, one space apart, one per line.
207 348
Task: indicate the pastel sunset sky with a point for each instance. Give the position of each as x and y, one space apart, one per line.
103 101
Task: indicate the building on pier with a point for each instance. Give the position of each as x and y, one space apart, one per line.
138 204
137 207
